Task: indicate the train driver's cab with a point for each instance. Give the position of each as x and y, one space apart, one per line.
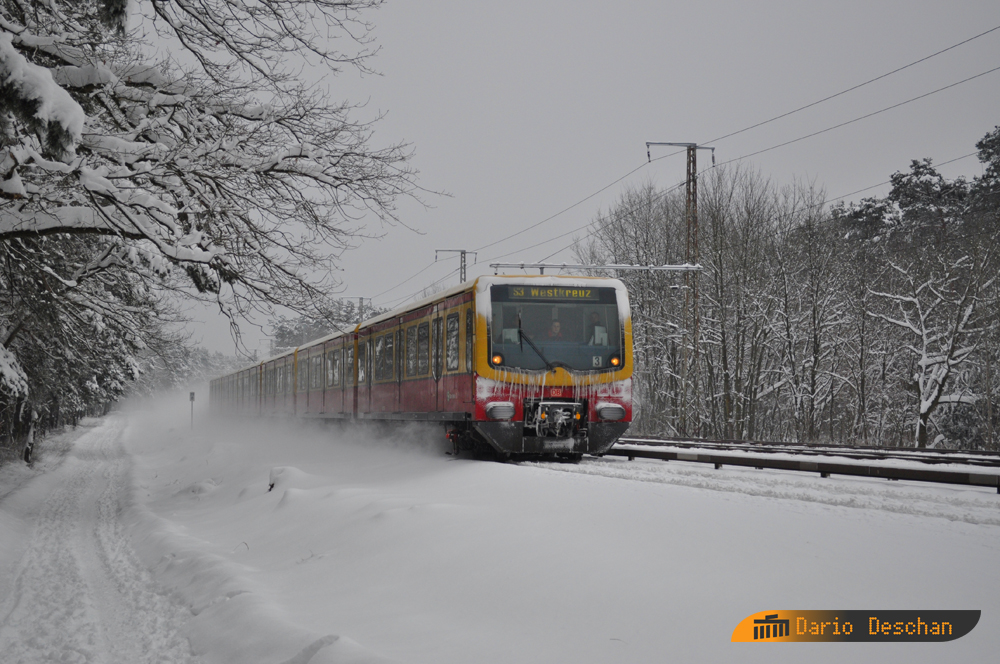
539 328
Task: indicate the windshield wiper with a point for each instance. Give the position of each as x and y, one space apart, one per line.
522 336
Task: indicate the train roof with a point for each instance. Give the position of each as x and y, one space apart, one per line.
477 285
440 295
480 284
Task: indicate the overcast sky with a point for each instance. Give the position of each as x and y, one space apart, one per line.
521 109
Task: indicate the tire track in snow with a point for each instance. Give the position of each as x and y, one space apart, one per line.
80 595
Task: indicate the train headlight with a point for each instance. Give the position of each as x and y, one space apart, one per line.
500 410
610 411
616 361
497 359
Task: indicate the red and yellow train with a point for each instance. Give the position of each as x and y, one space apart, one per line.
522 365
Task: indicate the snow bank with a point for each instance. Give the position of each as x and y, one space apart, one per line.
406 552
234 617
233 621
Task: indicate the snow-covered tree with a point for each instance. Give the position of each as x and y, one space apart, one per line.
192 145
219 162
340 315
645 227
738 237
875 322
940 311
75 339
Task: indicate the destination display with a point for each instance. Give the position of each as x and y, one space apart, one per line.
553 293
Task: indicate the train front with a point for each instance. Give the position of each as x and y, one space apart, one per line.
553 364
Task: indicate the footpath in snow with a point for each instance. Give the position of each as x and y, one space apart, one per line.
71 587
276 542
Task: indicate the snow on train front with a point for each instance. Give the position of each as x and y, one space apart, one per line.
553 364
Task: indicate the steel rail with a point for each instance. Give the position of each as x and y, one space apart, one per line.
825 469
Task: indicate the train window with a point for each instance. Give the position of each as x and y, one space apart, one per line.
362 363
423 348
389 356
332 368
315 372
379 359
437 348
349 365
399 355
468 340
383 357
302 369
368 362
411 351
451 343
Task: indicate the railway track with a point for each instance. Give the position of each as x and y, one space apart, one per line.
864 462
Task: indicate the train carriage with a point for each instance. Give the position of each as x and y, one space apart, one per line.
522 365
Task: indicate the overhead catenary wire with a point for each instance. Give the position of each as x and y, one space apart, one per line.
655 198
674 188
729 161
404 298
412 276
854 87
754 126
863 117
785 143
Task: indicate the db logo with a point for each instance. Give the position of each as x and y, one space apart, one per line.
557 391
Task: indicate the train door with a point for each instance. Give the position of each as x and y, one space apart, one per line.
364 390
437 361
400 368
333 379
350 376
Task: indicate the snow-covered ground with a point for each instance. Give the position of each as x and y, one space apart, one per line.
153 543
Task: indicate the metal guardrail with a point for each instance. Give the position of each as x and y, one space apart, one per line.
825 469
971 457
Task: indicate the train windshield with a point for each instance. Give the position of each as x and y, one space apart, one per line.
542 327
